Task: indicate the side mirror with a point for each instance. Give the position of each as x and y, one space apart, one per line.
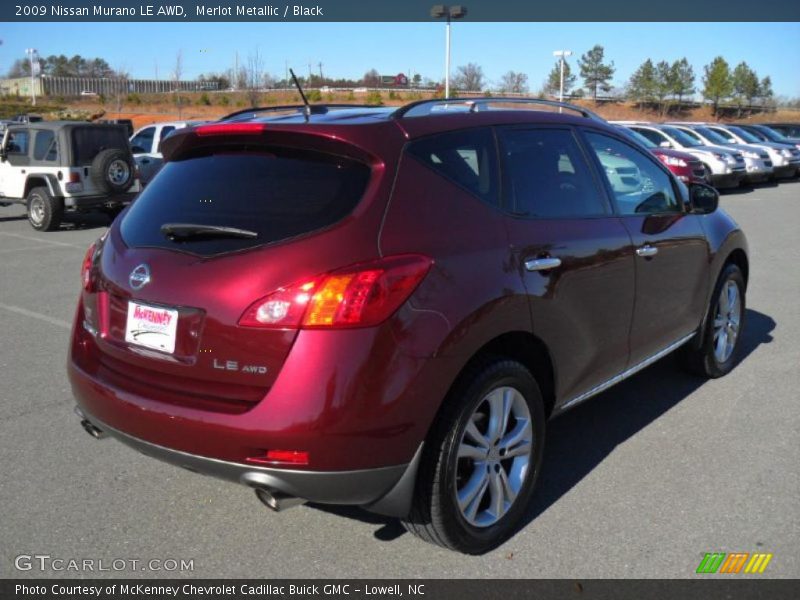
704 199
665 145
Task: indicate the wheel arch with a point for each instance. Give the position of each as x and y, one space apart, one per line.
46 180
739 258
522 346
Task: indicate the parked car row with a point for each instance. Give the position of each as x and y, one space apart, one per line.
730 155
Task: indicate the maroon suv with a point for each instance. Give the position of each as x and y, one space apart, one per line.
382 307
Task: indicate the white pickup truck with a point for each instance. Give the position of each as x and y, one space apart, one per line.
146 146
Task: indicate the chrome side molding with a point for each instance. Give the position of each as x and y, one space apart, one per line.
627 373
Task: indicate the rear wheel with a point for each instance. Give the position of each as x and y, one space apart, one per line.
719 348
44 211
481 460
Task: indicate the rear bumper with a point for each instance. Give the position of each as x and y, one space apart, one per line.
383 490
96 202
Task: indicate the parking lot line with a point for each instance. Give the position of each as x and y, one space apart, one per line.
10 250
34 315
41 240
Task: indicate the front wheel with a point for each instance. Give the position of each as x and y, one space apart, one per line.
481 460
719 348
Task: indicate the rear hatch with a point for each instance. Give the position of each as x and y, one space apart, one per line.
227 221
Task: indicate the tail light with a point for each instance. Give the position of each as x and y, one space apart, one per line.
74 183
86 268
359 296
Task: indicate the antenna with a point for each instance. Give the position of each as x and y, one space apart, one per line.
307 111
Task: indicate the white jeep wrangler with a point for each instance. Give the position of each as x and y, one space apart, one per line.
58 166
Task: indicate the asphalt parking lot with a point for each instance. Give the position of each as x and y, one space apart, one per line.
639 482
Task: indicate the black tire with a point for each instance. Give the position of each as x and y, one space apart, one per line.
701 359
44 211
435 516
113 213
113 171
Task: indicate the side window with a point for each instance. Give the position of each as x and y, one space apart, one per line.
44 146
692 134
18 142
467 158
547 175
726 134
651 135
165 131
639 185
144 139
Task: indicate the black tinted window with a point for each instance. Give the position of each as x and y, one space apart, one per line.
639 184
278 194
548 176
165 131
88 142
467 158
44 146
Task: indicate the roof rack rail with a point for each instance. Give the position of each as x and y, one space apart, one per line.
316 109
476 103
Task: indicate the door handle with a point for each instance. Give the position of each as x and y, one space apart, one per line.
647 251
542 264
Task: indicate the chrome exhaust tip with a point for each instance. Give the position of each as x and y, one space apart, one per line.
277 501
90 427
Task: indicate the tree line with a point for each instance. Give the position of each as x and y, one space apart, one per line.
63 66
660 84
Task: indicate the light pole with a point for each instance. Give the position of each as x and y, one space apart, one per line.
562 54
31 52
450 12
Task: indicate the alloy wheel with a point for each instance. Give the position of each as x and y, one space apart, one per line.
494 456
727 321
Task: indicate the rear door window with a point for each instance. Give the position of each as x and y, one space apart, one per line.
88 142
165 131
44 146
467 158
547 175
277 193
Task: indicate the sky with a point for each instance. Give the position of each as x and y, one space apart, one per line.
350 49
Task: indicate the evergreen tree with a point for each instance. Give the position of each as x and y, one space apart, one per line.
596 74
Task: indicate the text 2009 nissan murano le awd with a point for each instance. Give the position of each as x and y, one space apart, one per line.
382 307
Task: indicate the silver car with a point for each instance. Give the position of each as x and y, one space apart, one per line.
758 163
785 158
726 165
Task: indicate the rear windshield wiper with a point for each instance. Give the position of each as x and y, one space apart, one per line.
185 231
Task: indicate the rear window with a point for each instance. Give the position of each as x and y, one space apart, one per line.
277 193
88 142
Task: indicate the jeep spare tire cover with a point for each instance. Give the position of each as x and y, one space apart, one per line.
113 171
